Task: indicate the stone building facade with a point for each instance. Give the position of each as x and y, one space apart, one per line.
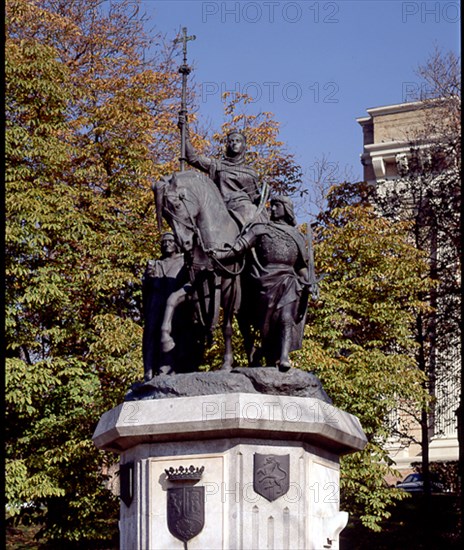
388 132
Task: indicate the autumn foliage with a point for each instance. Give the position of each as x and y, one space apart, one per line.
91 124
360 339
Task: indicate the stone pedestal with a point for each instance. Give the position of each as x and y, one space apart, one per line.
223 436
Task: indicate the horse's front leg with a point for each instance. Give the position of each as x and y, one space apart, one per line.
227 333
252 351
230 298
175 299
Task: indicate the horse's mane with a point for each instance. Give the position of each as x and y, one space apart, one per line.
199 182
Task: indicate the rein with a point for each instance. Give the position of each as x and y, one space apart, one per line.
193 227
229 271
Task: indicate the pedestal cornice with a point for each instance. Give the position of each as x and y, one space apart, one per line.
230 415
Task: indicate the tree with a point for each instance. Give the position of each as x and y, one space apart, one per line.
323 175
88 125
428 195
91 123
360 334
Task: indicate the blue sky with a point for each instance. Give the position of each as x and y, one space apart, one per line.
316 64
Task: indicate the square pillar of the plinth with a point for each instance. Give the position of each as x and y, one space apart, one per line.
221 435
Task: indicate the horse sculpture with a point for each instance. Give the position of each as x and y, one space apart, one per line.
195 210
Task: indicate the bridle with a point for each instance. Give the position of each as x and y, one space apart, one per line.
192 226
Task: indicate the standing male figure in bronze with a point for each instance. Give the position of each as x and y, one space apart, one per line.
162 278
279 281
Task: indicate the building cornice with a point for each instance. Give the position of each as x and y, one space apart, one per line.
398 108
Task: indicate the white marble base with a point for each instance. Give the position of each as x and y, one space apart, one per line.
222 433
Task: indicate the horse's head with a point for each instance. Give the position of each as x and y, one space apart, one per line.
192 205
176 202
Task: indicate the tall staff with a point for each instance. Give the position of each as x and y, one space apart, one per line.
184 69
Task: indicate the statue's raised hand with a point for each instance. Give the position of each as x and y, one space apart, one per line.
182 121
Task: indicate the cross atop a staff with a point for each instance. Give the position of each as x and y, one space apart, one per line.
184 69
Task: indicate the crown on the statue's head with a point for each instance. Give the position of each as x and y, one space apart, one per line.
184 474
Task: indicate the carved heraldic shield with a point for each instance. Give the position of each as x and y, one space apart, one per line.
186 512
271 475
